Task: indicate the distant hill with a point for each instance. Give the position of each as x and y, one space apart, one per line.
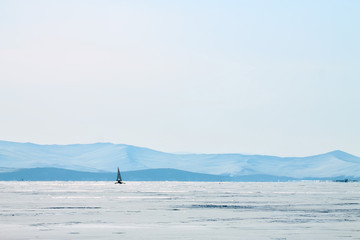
104 158
54 174
58 174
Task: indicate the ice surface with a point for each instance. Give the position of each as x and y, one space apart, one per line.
179 210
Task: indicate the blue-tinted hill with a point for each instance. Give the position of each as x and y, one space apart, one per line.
106 157
54 174
58 174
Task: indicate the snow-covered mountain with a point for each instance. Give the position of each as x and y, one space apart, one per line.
105 157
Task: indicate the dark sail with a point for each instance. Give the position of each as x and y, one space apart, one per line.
119 179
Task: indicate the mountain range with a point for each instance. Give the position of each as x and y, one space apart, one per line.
99 161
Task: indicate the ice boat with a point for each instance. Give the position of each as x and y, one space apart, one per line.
118 179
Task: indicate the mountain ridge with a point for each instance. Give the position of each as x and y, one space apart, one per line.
105 157
163 174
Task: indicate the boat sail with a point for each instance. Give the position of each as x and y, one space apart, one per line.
119 179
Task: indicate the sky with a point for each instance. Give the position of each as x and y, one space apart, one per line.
257 76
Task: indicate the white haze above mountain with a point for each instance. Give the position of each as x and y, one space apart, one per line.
99 157
266 77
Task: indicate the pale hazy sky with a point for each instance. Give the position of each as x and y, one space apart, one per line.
262 77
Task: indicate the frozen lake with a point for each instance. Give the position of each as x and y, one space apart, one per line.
179 210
